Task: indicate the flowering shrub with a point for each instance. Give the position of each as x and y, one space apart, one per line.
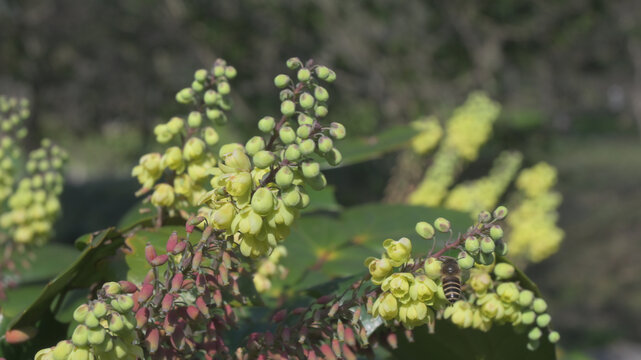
208 256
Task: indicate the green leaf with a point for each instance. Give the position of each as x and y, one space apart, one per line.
452 343
88 268
323 200
47 262
357 150
325 246
140 214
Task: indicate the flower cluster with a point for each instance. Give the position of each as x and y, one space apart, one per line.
106 328
34 204
413 291
466 131
494 299
188 159
430 133
533 232
268 268
484 193
13 113
258 188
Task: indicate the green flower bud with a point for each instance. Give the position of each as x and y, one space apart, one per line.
554 337
255 145
487 245
286 94
528 317
81 312
307 146
304 200
163 195
320 111
465 261
325 144
214 114
508 292
318 182
294 63
210 97
425 230
197 86
266 124
532 345
79 337
99 309
305 120
385 306
306 101
504 271
525 298
543 320
331 76
125 302
321 94
322 72
292 153
472 244
287 135
219 70
194 149
485 217
115 322
185 96
62 350
534 334
303 74
230 72
288 108
263 159
496 232
250 223
195 119
310 169
223 88
539 305
211 136
96 336
284 177
291 197
399 251
423 289
433 267
262 201
480 281
500 213
304 131
91 320
200 75
334 157
442 225
281 80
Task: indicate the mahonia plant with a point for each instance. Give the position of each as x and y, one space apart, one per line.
415 291
29 194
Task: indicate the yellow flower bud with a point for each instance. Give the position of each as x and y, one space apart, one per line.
223 216
378 268
163 195
480 281
386 306
194 149
239 184
423 289
175 125
414 314
508 292
398 251
399 285
238 160
183 185
173 159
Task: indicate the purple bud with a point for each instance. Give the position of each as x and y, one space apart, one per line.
167 302
224 275
218 297
324 299
327 352
333 310
172 241
340 330
302 334
357 316
363 335
336 347
192 312
409 335
347 353
279 316
150 277
202 306
226 259
392 340
152 340
177 282
142 316
349 336
150 253
127 287
145 292
159 260
285 334
180 247
198 257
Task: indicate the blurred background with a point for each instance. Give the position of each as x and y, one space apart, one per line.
100 75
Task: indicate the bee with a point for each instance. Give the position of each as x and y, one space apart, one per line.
451 279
